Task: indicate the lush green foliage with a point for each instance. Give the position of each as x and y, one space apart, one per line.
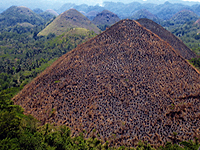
14 15
189 34
23 56
196 62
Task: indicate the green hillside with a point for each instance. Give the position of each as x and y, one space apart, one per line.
69 19
14 15
184 16
23 56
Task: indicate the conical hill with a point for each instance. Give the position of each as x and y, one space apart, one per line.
19 14
176 43
126 83
69 19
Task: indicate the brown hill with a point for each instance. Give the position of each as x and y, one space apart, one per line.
127 83
175 42
69 19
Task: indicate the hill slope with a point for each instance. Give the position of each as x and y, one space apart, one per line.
69 19
126 83
177 44
14 15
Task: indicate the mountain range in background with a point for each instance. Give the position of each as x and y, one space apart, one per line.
162 11
168 15
53 4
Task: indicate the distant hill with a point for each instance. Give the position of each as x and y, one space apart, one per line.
51 11
48 14
196 9
105 19
176 43
163 11
69 19
167 10
38 10
81 8
15 15
143 13
126 83
91 15
184 16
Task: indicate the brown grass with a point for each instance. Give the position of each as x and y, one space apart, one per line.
176 43
126 82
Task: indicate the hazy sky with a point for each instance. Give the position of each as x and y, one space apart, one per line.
56 4
93 2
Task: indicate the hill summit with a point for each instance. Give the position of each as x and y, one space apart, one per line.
126 83
175 42
69 19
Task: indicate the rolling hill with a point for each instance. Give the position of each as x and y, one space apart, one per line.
14 15
176 43
69 19
184 16
126 83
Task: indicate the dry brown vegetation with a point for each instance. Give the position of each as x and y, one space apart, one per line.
176 43
127 83
69 19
